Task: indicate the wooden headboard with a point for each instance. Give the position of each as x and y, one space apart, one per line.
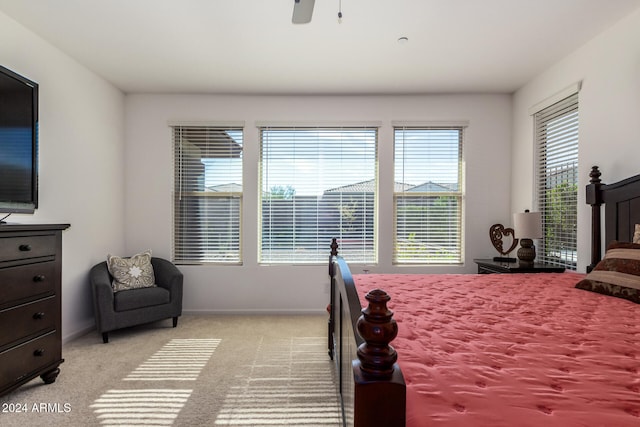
622 211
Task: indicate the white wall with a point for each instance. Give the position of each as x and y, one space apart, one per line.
84 163
252 287
81 174
609 105
117 197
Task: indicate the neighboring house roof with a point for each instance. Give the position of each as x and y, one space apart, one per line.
212 143
369 187
432 187
231 187
365 187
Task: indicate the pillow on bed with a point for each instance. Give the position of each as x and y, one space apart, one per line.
636 235
618 274
131 273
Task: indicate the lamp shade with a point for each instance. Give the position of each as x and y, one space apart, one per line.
527 225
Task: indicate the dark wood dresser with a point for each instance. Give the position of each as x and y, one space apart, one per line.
30 317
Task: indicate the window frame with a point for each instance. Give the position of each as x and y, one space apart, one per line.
214 242
561 120
367 251
402 193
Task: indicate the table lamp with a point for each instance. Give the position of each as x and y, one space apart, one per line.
527 226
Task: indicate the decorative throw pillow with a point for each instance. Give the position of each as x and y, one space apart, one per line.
618 274
636 235
131 273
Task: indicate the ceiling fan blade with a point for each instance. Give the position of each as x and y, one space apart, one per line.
302 11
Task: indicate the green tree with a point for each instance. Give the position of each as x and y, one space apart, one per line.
282 192
560 218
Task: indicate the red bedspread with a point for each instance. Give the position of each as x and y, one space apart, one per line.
513 350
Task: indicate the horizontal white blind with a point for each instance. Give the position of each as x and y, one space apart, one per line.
556 130
428 195
317 183
207 194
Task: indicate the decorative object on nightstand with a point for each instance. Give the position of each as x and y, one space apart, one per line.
496 233
528 226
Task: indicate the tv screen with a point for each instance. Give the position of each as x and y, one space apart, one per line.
18 143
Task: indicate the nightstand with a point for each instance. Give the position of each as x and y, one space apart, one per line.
488 266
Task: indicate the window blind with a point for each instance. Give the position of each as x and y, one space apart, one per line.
556 134
207 194
317 183
428 195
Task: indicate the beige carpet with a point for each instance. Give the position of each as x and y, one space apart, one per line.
209 371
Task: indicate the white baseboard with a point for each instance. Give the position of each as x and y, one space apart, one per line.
80 332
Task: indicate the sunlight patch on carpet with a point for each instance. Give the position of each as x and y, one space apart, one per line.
178 360
289 383
140 407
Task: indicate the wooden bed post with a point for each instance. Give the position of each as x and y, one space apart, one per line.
334 252
378 379
330 308
594 198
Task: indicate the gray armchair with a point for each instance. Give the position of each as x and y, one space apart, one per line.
136 306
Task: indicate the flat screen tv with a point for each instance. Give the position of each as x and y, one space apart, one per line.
18 143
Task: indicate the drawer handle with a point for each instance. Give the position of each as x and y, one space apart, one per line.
39 315
39 352
25 248
39 278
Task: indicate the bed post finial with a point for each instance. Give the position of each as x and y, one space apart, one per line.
334 252
379 395
378 328
595 175
594 198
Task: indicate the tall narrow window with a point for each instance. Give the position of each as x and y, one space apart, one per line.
556 133
317 183
207 194
428 195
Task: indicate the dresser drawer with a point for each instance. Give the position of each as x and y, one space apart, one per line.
28 319
23 247
23 360
24 282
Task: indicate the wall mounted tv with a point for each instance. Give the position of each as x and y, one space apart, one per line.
18 143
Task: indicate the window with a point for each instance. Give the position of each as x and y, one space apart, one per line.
428 195
556 134
207 194
317 183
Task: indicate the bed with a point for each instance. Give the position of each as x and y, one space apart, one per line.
495 349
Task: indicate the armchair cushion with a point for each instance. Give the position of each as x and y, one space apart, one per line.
141 297
131 273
